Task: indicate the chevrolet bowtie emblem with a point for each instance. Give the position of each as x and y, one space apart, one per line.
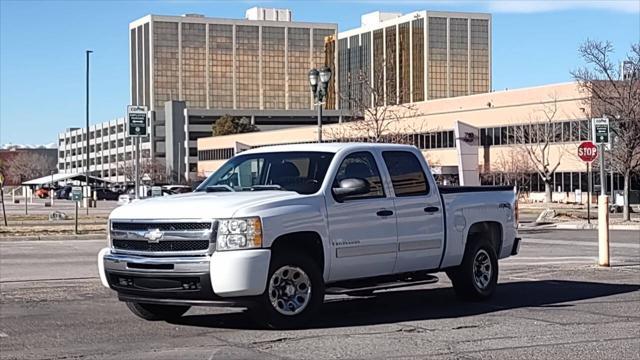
154 235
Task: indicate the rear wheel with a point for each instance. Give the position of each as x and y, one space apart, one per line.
294 291
154 312
477 277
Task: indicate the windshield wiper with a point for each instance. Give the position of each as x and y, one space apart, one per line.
266 187
219 188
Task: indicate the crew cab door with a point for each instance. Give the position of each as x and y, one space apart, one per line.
362 228
419 212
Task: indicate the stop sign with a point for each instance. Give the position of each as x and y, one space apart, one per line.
587 151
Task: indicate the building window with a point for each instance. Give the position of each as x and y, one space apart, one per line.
459 62
165 62
390 64
404 74
480 82
221 66
437 62
247 51
194 78
298 62
417 28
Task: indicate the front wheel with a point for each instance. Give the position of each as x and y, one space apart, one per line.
294 291
154 312
477 277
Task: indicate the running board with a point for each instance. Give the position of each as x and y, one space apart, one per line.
364 286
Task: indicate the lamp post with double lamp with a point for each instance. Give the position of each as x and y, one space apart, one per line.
319 82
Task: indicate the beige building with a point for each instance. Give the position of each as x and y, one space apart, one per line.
504 119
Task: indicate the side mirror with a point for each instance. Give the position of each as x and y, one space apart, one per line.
350 187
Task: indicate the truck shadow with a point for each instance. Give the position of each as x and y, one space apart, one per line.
425 304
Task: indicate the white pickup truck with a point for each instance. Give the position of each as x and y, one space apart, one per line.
277 228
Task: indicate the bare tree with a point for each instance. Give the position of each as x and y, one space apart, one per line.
29 165
540 140
515 167
615 92
374 119
155 169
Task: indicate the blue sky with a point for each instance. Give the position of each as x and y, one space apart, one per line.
42 46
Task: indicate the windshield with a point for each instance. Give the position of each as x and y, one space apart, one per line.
302 172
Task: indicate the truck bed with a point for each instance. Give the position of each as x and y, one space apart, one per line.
467 189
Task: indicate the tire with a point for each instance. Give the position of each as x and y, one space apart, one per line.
477 277
291 303
153 312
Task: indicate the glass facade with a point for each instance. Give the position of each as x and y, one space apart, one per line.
273 72
344 93
365 73
417 29
480 82
459 60
456 58
134 68
355 65
378 67
298 42
221 66
318 52
247 67
196 62
165 62
404 75
390 65
194 77
437 75
147 68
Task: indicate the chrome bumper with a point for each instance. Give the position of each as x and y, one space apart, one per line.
159 265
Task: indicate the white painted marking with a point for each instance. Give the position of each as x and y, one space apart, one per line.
3 335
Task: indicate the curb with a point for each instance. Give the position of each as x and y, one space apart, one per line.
585 226
53 237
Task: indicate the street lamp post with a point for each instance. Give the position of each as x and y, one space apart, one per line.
319 81
86 177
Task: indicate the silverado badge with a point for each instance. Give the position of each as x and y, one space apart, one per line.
153 235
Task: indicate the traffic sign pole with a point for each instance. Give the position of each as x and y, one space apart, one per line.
137 128
601 137
137 167
589 193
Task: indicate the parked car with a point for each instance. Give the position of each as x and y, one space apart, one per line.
64 192
178 189
125 199
42 193
277 228
105 194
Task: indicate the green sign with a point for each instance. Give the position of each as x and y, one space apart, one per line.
601 130
137 120
76 193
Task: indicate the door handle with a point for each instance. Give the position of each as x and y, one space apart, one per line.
431 209
384 213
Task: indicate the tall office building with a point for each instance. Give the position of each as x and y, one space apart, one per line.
419 56
190 70
260 62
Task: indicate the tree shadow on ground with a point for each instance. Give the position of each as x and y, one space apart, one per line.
425 304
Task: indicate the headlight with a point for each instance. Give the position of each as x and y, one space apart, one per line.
233 234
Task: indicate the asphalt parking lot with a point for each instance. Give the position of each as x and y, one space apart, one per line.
552 303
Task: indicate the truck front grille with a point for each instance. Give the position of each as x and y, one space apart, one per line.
163 237
183 245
